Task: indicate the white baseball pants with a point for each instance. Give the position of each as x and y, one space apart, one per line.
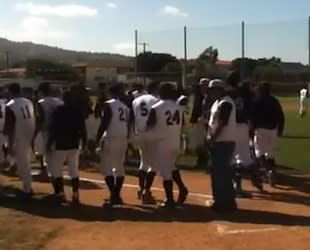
303 106
57 163
264 142
166 156
113 156
40 145
23 160
242 149
147 146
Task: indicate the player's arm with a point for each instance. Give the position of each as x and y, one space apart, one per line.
152 120
9 127
131 122
82 130
224 113
105 121
40 118
281 119
52 130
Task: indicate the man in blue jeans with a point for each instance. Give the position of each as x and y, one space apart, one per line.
221 137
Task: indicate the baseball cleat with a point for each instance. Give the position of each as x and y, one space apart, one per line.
271 178
182 196
24 195
107 203
168 204
242 194
139 194
60 198
75 201
147 198
118 201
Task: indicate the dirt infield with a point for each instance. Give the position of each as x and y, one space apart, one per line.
279 219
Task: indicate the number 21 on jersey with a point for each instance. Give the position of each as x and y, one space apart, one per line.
123 115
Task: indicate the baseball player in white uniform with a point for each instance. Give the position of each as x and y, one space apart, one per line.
141 108
183 102
303 102
20 128
113 131
165 124
47 104
2 119
139 91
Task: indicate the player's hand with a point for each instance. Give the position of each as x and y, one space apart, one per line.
210 142
11 150
84 147
32 145
49 147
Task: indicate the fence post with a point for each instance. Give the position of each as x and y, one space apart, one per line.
309 41
185 59
242 39
242 73
136 54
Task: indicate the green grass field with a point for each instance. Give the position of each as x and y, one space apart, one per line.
292 148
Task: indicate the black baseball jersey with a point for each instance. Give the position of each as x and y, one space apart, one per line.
243 103
267 113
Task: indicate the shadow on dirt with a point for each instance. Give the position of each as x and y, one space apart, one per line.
45 206
36 177
299 183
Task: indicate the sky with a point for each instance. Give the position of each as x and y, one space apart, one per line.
272 27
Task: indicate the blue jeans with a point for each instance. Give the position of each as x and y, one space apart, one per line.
222 175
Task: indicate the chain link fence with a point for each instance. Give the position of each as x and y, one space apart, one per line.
282 47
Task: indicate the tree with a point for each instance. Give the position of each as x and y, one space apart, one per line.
156 62
209 55
205 64
50 70
268 72
244 65
173 67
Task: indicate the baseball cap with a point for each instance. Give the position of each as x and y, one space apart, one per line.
217 83
204 81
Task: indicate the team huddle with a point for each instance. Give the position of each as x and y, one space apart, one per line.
231 122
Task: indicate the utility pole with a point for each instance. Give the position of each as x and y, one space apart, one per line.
185 59
242 50
144 44
136 54
309 41
242 39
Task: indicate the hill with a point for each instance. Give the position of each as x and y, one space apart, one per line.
21 51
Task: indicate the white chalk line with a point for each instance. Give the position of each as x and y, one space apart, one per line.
223 230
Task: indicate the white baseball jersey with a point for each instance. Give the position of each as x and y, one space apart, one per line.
137 94
229 131
24 117
49 104
141 109
303 94
2 113
118 126
169 116
182 99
